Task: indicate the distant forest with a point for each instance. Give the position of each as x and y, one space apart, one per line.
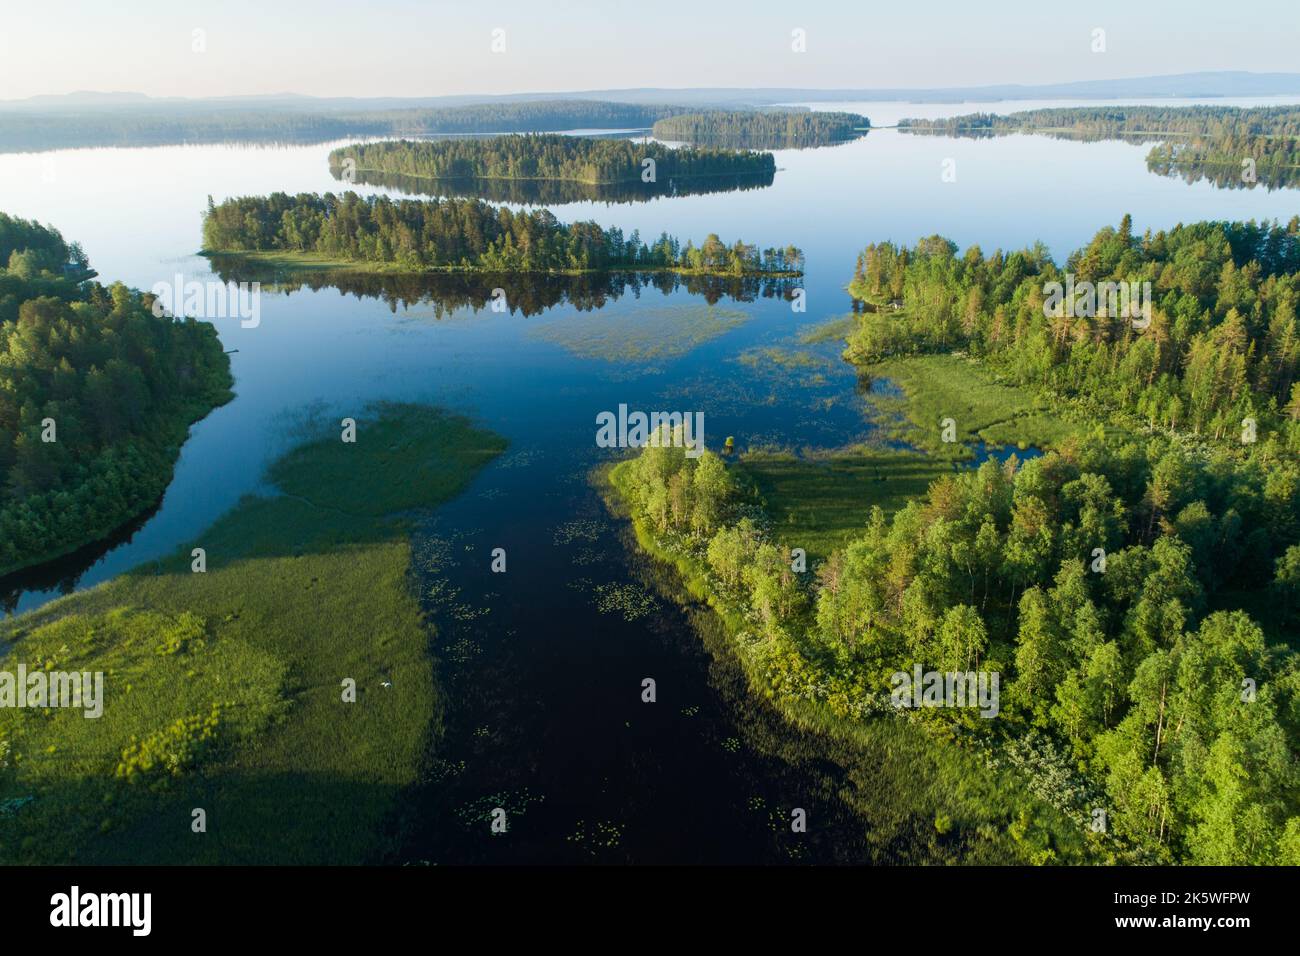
464 235
580 159
96 396
1193 142
63 129
762 129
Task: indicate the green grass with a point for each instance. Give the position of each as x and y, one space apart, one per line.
301 591
936 387
819 502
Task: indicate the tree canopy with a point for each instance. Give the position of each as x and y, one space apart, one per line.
1194 142
579 159
1222 346
96 395
465 235
762 129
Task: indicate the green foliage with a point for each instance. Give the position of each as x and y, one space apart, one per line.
940 803
434 454
763 129
175 749
463 235
546 156
223 689
1223 344
1180 718
816 501
121 385
1194 142
935 387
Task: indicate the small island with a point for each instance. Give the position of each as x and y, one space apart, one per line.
577 159
763 129
348 232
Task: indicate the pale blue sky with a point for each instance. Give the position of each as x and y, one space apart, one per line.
422 48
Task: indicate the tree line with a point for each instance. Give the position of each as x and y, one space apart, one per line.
465 235
1107 583
96 396
1194 142
63 129
762 129
1221 351
580 159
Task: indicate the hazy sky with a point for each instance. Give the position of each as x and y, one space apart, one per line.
423 48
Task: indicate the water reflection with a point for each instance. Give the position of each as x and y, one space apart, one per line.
524 294
62 575
1173 155
538 192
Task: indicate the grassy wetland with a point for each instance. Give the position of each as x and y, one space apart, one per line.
225 687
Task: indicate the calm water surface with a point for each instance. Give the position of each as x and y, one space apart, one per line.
541 665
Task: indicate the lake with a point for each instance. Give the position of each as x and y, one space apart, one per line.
543 665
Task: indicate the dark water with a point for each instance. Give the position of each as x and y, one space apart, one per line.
541 669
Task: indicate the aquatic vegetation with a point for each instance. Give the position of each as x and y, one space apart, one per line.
226 686
597 836
644 334
628 600
479 812
579 529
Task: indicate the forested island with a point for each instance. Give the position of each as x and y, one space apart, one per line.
550 167
156 126
459 235
1193 142
581 159
96 396
1137 587
762 129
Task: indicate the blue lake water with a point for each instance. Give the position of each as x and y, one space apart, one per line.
561 702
